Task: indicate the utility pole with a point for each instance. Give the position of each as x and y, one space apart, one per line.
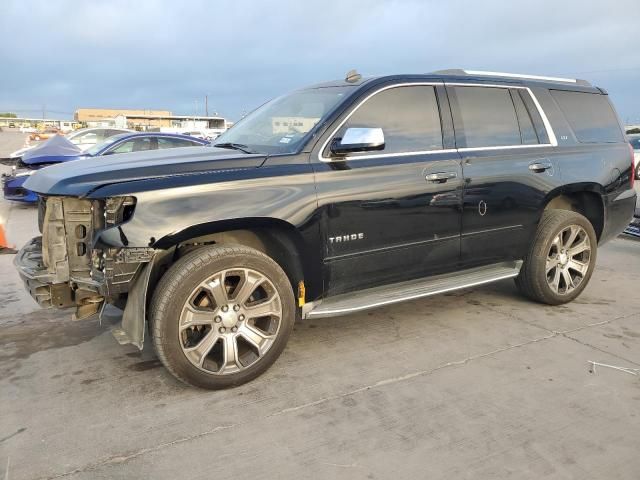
206 105
44 111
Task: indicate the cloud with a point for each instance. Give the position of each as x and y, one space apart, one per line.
166 54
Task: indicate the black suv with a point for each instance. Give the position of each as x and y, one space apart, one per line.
331 200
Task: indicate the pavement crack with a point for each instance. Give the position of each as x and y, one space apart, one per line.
117 459
597 324
409 376
20 430
585 344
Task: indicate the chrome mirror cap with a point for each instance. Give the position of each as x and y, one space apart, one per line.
359 140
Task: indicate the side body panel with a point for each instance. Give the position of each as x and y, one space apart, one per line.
604 169
403 226
281 190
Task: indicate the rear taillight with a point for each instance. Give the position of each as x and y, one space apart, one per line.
633 166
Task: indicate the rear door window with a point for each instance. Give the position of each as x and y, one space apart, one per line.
408 116
590 116
484 117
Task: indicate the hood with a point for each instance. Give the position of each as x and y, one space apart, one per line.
80 178
56 149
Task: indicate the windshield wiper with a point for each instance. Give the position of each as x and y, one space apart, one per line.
234 146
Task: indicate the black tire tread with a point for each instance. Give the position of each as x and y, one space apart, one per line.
171 281
531 278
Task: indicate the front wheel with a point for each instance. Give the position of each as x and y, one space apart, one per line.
638 172
221 315
561 259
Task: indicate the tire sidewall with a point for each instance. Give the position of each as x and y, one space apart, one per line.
166 317
541 259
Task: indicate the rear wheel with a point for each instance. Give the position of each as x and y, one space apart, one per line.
561 259
221 316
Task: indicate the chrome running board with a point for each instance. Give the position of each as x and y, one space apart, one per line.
400 292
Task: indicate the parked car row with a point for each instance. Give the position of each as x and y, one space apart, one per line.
60 149
84 138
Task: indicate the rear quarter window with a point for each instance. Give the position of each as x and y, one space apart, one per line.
590 116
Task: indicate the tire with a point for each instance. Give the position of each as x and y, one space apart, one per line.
37 138
638 172
543 276
200 342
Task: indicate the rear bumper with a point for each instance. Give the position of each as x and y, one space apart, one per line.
619 210
37 279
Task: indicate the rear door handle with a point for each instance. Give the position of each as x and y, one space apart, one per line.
440 177
539 167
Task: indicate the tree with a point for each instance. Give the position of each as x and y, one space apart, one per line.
8 115
634 130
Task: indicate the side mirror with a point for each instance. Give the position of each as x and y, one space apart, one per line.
359 140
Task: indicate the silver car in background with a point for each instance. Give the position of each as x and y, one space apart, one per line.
84 138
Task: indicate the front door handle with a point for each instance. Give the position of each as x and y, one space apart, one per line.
440 177
539 167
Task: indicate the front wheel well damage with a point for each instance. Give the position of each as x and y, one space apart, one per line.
586 203
282 243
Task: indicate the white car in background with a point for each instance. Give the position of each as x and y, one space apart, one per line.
197 134
84 138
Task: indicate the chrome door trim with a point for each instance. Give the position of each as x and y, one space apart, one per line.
401 154
553 142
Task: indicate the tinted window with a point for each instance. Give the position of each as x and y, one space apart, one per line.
136 145
175 142
408 116
484 117
534 114
590 116
635 142
528 134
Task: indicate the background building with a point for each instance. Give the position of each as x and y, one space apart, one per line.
105 117
146 119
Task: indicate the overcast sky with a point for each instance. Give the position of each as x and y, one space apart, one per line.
169 54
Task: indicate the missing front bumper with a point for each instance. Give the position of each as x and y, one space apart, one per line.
37 279
47 291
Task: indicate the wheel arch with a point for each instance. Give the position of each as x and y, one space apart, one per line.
277 238
584 198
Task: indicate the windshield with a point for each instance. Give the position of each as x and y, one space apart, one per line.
99 146
281 125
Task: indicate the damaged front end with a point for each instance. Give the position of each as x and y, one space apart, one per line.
68 266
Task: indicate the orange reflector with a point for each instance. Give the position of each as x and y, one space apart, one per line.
301 293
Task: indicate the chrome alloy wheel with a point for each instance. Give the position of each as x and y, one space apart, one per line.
568 259
230 321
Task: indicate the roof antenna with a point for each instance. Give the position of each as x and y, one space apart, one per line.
352 76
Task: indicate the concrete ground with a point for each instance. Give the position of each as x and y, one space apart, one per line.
470 385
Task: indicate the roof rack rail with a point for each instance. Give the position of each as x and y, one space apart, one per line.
462 72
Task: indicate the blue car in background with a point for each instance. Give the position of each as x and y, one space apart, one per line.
59 150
